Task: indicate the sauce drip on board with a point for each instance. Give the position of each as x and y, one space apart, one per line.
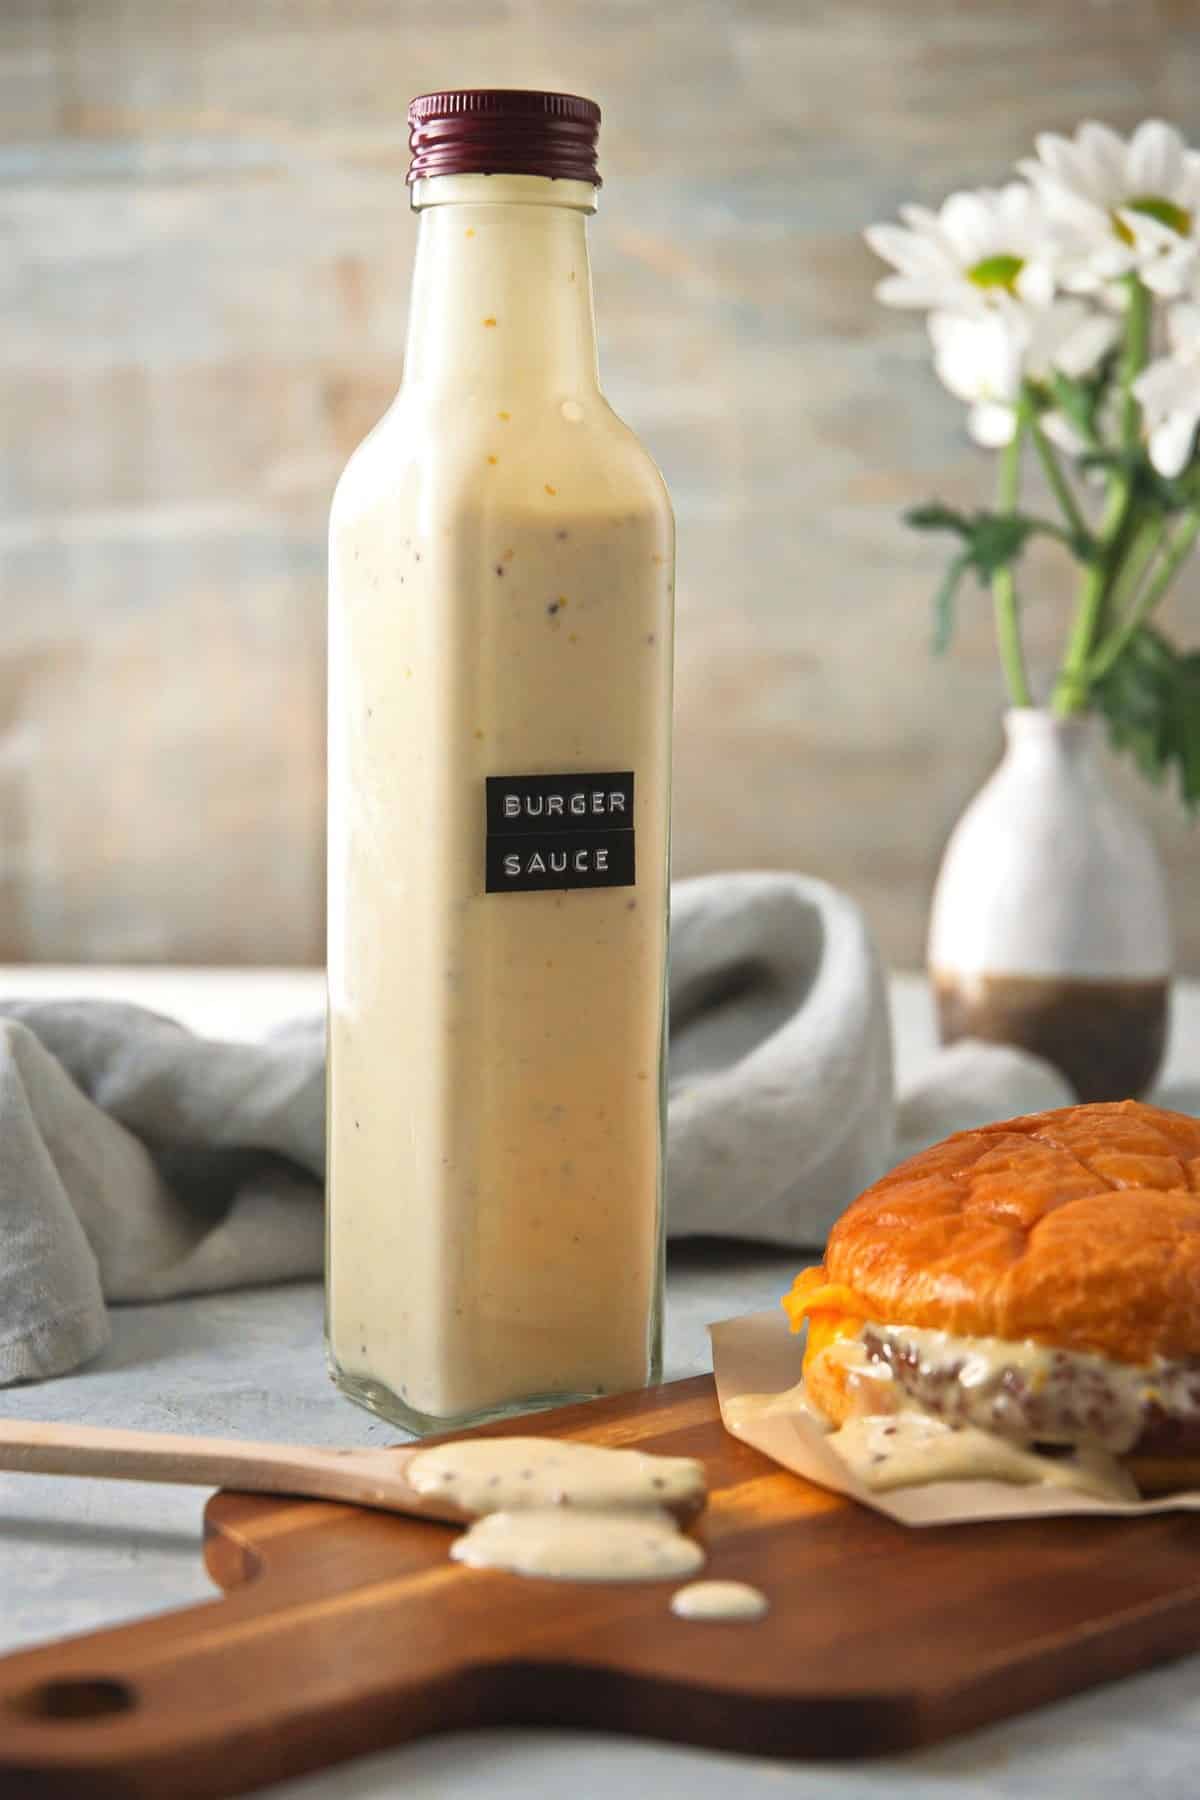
568 1511
571 1544
719 1600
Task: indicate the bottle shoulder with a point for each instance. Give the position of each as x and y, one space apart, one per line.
641 459
466 451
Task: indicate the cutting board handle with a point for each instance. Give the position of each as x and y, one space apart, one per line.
202 1702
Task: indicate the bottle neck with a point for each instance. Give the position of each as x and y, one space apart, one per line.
502 290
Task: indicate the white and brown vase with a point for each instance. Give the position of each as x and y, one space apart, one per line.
1050 927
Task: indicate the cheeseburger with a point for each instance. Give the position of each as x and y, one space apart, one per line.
1029 1290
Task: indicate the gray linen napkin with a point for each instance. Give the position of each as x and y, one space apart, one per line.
138 1161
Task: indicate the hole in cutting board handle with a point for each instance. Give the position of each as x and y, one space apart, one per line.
85 1697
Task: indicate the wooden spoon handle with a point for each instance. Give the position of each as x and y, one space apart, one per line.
33 1447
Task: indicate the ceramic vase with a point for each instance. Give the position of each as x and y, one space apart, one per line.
1050 926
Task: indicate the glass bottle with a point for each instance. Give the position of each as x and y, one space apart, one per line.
500 660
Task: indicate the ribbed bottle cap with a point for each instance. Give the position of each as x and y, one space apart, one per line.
503 131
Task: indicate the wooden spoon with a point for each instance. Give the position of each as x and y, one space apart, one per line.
361 1477
376 1478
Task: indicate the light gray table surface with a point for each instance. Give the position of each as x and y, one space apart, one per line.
76 1555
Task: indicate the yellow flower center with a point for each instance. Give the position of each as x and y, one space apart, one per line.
1154 206
998 271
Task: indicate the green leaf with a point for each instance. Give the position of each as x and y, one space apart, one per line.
933 516
1186 724
991 541
1152 491
943 603
996 540
1078 397
1150 699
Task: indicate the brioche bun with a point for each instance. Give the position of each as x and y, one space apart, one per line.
1078 1229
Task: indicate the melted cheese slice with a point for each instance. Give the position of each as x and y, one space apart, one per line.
831 1310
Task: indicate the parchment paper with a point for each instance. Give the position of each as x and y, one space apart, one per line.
758 1354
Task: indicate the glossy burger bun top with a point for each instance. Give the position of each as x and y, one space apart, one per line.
1078 1228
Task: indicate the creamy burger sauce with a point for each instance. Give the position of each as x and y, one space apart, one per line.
576 1545
719 1600
932 1406
961 1417
487 1475
906 1449
569 1511
793 1400
1021 1390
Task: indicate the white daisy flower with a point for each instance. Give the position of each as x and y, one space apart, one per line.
1168 391
1121 206
1168 261
980 247
983 357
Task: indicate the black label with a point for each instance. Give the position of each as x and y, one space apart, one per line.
559 831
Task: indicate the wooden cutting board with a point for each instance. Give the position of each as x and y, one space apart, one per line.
342 1631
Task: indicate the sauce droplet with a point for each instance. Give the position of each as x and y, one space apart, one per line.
719 1600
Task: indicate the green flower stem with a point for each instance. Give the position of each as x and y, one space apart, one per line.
1008 636
1004 587
1072 690
1058 481
1133 360
1133 559
1179 548
1060 534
